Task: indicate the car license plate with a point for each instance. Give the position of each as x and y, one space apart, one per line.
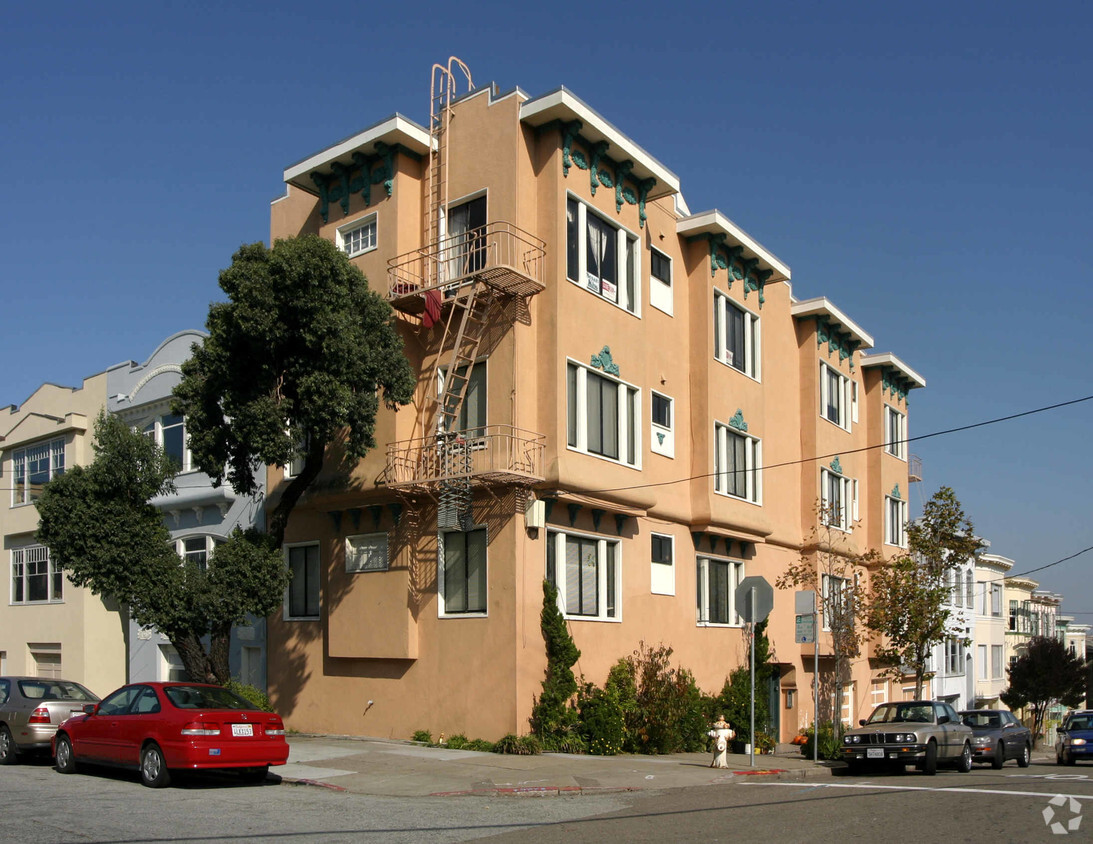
242 729
874 753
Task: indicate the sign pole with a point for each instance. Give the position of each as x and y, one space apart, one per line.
751 744
815 683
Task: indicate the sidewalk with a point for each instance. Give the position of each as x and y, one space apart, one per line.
405 769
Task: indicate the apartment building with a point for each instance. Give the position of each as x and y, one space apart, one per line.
617 395
953 660
48 627
990 630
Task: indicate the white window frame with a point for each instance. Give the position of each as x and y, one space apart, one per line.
847 513
997 661
51 451
608 599
832 588
995 601
842 403
662 575
210 543
667 448
155 430
628 414
443 610
367 552
627 258
878 692
895 433
19 582
724 435
345 233
752 365
895 522
47 659
954 657
982 671
660 290
734 575
288 615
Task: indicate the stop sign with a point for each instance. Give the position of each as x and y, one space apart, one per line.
764 599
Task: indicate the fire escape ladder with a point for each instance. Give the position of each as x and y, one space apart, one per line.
471 307
442 89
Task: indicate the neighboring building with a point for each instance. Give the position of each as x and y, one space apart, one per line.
1021 624
953 660
48 627
198 514
604 377
990 630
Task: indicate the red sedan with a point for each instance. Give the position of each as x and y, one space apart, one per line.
163 727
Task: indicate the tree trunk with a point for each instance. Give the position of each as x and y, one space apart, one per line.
313 464
204 666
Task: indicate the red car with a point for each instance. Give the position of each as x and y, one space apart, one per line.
163 727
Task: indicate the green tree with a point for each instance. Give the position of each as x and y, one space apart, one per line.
553 717
302 353
1046 673
102 529
906 606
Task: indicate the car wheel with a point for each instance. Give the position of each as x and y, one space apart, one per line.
257 775
153 767
66 759
1068 759
999 756
929 767
964 763
1025 758
8 754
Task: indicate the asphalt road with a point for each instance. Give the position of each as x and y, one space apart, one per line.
41 806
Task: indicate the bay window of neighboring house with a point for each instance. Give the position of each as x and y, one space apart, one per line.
35 579
718 580
736 336
602 414
737 464
839 500
197 550
34 466
169 433
895 433
838 397
302 599
601 257
463 572
585 569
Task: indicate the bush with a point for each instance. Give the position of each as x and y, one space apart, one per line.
457 742
480 745
252 693
424 736
518 745
831 741
603 723
663 709
553 717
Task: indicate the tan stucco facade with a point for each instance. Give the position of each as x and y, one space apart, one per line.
383 657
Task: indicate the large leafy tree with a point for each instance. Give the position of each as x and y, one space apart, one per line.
102 529
906 607
300 354
1046 673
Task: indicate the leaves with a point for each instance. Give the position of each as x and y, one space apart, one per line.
1044 674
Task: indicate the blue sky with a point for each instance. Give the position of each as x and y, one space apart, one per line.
925 167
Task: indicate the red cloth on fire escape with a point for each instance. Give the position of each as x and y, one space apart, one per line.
431 316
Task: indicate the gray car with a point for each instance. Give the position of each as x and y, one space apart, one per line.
30 710
923 733
998 736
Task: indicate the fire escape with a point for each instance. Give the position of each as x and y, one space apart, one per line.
463 282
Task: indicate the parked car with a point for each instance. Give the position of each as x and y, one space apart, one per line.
998 736
31 708
1074 739
923 733
158 728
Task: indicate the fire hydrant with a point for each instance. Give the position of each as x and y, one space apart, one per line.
721 733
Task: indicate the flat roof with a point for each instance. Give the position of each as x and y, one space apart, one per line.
714 222
820 306
889 359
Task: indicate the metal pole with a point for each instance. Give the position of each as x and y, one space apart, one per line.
751 744
815 682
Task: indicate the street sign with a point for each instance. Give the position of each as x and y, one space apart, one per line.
764 598
806 629
804 602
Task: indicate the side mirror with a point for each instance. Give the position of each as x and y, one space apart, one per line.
862 722
943 719
90 708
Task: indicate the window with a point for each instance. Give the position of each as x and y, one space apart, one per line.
837 396
46 659
601 257
895 433
878 692
737 461
602 414
736 335
663 438
169 433
983 666
996 661
717 582
662 575
303 585
34 578
197 550
585 569
358 236
996 600
837 601
896 523
954 657
958 588
33 466
472 413
660 281
366 552
839 500
463 587
969 590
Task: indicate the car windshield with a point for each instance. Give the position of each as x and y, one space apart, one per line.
54 690
891 712
982 719
206 697
1080 722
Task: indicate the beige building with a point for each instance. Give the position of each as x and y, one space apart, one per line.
48 627
991 660
616 394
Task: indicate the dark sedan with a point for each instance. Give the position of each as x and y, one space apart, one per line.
998 736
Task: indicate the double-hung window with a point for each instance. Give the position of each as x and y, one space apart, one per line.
585 569
196 550
737 464
895 532
954 657
660 281
169 432
736 336
35 579
717 583
463 571
837 602
996 600
303 585
663 439
838 500
358 237
895 432
601 257
838 397
472 412
602 415
34 466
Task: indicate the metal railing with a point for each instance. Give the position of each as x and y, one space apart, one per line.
489 454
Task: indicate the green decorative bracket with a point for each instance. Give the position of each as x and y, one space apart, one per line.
892 381
604 361
696 536
604 170
895 491
574 509
738 422
597 515
728 547
377 512
836 466
355 517
336 517
550 502
836 340
344 180
620 523
396 512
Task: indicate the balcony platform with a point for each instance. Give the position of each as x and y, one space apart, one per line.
485 456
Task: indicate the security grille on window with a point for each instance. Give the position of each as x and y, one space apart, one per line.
837 393
895 440
601 257
357 237
303 586
602 415
737 463
736 336
717 584
463 589
366 552
585 570
34 578
33 467
839 500
896 522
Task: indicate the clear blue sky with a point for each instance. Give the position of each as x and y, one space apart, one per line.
926 167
